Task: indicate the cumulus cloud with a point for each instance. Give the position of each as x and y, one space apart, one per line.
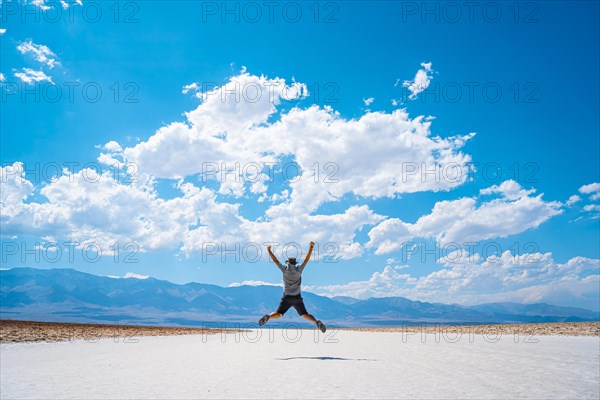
509 189
92 207
111 146
464 220
2 31
218 131
29 76
420 82
233 129
369 101
191 87
128 275
593 190
40 53
42 4
45 5
572 200
15 189
254 283
469 279
235 124
591 207
335 232
88 206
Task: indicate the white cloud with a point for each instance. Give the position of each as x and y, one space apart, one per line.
572 200
42 4
463 220
29 76
260 186
338 230
254 283
232 126
15 189
420 82
191 87
88 207
2 77
41 53
229 128
508 189
369 101
111 146
528 278
390 235
593 189
217 131
130 275
2 31
284 195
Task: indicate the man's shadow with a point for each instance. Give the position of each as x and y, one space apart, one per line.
326 358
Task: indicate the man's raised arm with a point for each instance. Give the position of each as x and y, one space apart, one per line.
275 260
307 258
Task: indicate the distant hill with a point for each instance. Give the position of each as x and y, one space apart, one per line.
72 296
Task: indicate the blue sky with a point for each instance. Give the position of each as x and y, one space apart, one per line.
524 82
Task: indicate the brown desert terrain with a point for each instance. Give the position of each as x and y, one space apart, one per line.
12 331
532 329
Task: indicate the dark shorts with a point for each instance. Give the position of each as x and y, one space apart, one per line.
292 301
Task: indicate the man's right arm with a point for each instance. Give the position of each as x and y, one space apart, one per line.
275 260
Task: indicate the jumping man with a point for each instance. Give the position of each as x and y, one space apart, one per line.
292 280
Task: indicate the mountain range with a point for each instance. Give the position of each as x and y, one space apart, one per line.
68 295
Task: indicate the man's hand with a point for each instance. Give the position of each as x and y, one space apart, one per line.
312 244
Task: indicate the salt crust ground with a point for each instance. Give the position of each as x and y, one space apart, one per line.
274 363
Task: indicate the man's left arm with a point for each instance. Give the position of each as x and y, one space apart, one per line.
307 258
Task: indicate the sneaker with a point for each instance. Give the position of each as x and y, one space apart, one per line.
321 326
263 320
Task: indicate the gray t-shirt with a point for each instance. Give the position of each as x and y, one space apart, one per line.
292 278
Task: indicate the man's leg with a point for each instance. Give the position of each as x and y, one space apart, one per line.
301 308
310 318
284 305
267 317
320 325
